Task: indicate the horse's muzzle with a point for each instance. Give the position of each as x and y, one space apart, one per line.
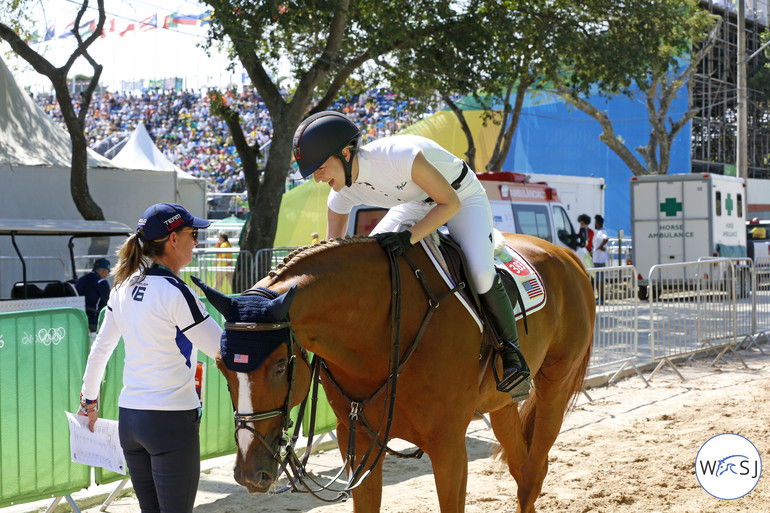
255 481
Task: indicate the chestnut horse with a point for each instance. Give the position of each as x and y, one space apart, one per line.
340 310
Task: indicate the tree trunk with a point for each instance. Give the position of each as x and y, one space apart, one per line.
471 153
504 139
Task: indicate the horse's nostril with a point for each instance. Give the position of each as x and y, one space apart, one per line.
264 479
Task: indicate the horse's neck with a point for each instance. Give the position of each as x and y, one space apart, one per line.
342 310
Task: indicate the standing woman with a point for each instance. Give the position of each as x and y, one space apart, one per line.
417 180
163 324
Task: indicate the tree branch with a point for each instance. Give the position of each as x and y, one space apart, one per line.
607 136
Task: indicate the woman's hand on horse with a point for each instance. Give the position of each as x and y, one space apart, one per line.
395 242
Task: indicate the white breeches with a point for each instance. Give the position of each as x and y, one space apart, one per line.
471 227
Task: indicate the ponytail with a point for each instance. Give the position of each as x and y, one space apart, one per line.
136 254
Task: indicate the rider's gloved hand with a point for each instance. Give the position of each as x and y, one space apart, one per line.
395 242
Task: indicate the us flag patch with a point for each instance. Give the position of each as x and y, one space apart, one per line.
240 358
533 288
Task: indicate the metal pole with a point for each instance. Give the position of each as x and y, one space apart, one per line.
741 160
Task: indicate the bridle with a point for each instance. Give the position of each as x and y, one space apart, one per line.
242 420
291 463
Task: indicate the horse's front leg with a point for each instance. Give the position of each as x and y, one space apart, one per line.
367 498
450 470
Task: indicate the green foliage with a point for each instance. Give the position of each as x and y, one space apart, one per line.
17 14
631 42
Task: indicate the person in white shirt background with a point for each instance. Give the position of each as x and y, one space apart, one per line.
600 254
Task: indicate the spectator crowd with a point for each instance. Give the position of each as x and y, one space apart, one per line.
182 127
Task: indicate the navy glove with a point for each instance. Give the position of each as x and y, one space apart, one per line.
395 242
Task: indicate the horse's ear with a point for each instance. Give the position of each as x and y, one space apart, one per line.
279 307
218 300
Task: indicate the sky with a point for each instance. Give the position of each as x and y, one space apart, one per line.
143 53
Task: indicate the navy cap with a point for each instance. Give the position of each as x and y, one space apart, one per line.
102 263
163 218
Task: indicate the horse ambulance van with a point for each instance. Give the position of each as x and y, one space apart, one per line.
682 217
518 206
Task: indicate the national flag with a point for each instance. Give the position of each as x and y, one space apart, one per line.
33 37
67 30
168 21
533 288
87 28
240 358
205 18
50 33
128 28
111 29
185 19
150 23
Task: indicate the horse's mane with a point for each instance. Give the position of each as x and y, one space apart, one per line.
303 252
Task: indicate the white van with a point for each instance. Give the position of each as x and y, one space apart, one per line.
517 207
683 217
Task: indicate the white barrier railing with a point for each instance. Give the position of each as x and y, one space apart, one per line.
741 290
267 259
693 308
615 342
216 267
761 292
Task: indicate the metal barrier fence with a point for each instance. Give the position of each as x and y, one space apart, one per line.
693 308
217 266
741 291
615 342
268 258
762 299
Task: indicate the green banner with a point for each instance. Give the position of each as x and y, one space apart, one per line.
42 357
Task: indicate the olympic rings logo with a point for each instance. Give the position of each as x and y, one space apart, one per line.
51 335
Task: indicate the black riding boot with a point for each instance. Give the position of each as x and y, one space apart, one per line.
515 380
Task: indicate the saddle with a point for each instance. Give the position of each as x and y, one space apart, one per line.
455 265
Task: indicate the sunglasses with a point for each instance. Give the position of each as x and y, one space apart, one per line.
194 233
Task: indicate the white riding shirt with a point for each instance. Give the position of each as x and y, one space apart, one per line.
385 180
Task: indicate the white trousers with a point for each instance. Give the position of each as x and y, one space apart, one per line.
471 228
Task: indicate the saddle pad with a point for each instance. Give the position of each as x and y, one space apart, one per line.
430 246
530 283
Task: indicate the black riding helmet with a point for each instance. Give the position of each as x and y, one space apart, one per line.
322 135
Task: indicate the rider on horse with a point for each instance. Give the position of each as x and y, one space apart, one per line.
417 180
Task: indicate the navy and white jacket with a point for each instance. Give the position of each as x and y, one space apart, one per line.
163 324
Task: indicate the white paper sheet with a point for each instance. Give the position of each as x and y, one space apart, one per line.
98 449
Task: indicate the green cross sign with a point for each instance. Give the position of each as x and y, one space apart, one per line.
729 204
670 207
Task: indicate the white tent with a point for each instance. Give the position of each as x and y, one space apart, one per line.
35 162
140 152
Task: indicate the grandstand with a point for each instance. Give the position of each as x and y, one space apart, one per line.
199 143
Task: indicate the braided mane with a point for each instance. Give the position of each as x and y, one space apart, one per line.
304 251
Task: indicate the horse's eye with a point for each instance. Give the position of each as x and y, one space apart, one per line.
280 367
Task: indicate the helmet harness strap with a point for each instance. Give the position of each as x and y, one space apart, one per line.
347 165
